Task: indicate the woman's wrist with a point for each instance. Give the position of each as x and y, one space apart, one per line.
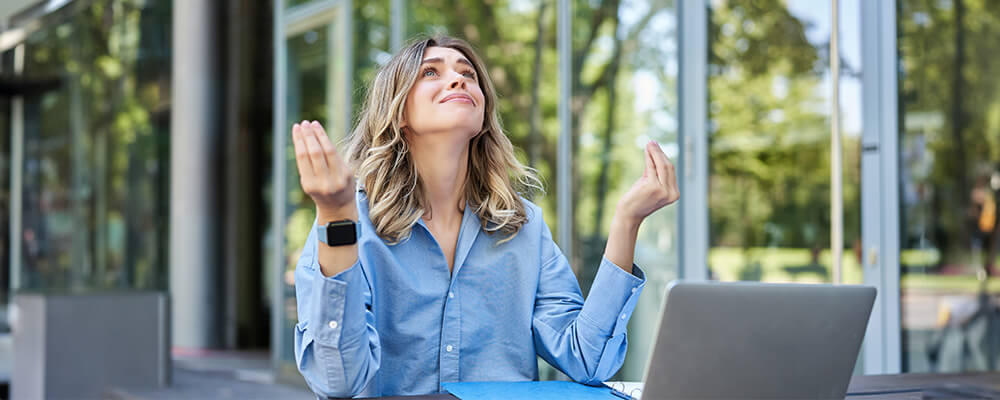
328 214
625 221
624 228
622 234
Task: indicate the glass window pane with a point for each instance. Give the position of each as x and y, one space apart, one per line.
850 132
769 140
625 94
96 148
307 64
949 101
293 3
371 46
47 219
314 68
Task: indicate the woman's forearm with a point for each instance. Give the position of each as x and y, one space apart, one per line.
620 249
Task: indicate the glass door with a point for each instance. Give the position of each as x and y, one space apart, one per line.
949 173
770 118
769 140
313 82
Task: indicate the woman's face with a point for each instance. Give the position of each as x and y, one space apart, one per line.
446 98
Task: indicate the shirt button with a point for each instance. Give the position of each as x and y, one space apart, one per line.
333 324
448 348
451 295
634 289
624 316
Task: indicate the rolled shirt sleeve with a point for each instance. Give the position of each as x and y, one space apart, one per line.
585 340
613 297
336 345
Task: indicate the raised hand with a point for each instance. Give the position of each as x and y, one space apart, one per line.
655 189
323 173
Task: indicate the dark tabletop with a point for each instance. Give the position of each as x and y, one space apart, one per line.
985 385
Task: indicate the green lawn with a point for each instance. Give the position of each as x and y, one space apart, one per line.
795 265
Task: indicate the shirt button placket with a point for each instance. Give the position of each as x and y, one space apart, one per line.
452 336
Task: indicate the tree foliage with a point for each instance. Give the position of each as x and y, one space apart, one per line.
950 125
770 131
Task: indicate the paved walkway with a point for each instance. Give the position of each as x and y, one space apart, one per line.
221 375
200 385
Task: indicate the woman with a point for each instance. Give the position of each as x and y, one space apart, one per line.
454 276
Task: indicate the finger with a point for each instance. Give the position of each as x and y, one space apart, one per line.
671 178
316 155
662 173
301 153
333 159
650 166
664 160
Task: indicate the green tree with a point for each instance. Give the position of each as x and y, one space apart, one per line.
769 133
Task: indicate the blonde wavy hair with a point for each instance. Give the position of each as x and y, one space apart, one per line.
379 154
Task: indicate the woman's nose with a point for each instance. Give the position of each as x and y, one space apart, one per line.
457 81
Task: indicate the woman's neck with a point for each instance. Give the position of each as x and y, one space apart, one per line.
442 166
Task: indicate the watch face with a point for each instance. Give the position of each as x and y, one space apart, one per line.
341 233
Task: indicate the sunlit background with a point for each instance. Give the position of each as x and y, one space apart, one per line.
86 143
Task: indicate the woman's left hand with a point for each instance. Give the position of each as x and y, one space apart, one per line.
655 189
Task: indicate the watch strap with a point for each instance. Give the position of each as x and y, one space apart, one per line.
321 233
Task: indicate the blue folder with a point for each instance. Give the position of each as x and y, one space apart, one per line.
530 390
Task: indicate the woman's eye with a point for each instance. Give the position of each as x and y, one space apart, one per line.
429 72
469 74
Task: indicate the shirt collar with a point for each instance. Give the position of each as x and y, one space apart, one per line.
466 237
467 234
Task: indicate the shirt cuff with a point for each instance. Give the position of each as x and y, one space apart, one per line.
340 309
613 297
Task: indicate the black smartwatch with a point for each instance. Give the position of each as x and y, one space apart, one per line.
338 233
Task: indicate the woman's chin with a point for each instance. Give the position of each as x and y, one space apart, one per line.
467 127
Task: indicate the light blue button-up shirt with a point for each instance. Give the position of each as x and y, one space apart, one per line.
397 322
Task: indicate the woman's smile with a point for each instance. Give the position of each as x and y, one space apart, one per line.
458 97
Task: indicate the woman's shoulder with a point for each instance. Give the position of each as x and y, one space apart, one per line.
533 211
535 216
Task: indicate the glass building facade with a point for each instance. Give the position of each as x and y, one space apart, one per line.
89 117
738 93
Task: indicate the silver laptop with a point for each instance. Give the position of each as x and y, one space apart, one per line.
757 340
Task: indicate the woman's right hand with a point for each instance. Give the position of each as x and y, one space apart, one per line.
324 175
